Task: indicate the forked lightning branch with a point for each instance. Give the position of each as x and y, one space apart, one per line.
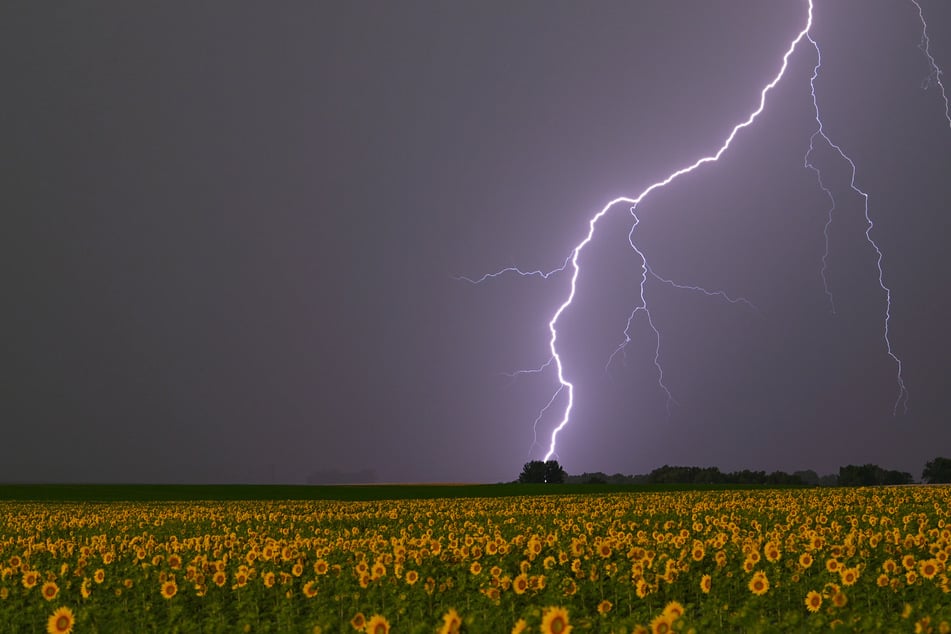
803 43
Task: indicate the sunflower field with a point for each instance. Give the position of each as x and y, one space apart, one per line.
799 560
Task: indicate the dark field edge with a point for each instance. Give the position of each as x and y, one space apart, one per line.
353 493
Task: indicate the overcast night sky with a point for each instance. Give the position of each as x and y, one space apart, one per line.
231 233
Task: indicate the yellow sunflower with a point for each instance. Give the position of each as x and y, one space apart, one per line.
30 577
358 622
662 624
310 589
674 610
49 590
928 568
61 621
377 625
839 599
451 622
706 581
642 588
520 584
759 584
813 601
720 558
520 626
849 576
555 621
604 607
269 579
169 589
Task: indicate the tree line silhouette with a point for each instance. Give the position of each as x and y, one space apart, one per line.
937 471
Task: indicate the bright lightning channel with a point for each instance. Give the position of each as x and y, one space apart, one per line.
565 384
572 260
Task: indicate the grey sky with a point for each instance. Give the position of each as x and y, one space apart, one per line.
231 231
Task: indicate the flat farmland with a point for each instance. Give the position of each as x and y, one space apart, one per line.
494 558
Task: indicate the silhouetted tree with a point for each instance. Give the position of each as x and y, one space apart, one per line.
897 477
532 472
868 475
859 475
783 478
554 474
746 477
937 471
808 477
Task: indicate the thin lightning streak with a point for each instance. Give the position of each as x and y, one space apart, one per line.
935 77
645 271
902 390
650 321
514 269
700 289
538 370
634 202
823 271
538 419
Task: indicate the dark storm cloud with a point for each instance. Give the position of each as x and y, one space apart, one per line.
231 232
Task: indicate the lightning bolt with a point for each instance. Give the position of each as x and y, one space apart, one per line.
700 289
933 79
650 322
643 307
869 225
514 269
634 202
571 263
807 162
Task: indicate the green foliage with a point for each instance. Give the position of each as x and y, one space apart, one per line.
871 475
538 472
532 473
642 556
554 474
937 471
